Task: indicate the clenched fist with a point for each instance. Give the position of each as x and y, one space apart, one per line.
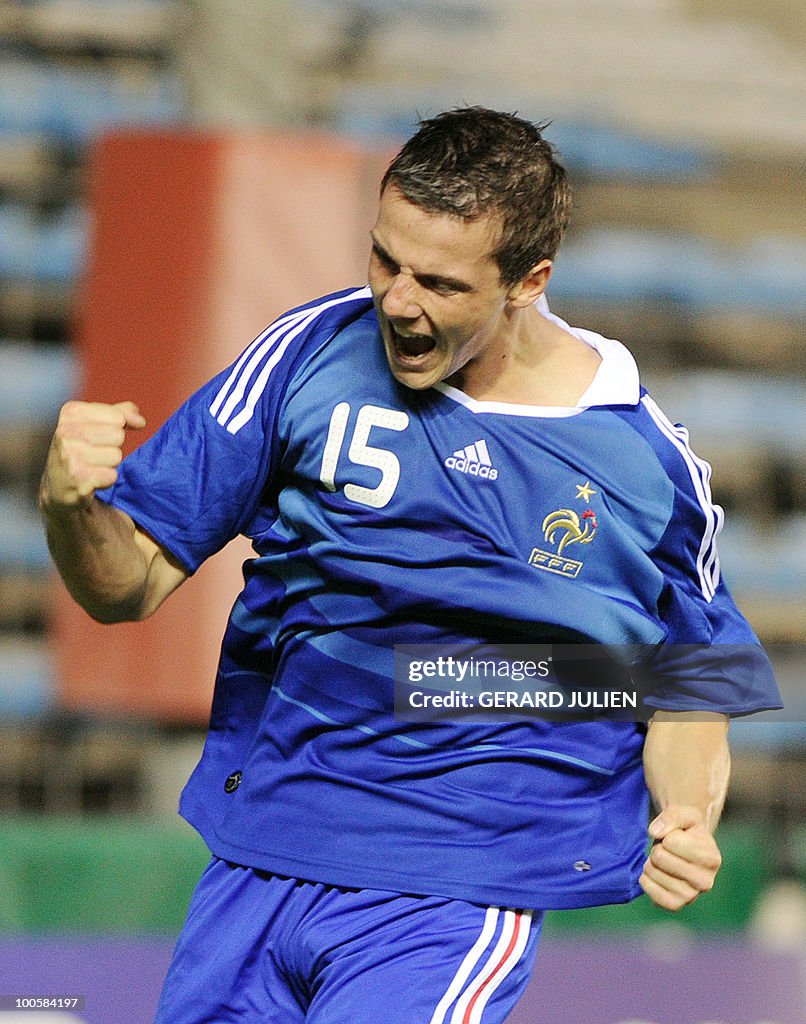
684 860
86 449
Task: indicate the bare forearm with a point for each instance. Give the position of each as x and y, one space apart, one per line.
95 551
115 571
687 762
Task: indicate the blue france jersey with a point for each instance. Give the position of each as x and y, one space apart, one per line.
380 516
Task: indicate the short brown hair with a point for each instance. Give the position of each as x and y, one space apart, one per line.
470 162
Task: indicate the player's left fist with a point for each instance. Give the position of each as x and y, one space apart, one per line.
684 859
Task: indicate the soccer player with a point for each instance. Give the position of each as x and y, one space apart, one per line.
433 459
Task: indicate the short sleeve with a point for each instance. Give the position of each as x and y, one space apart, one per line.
731 679
196 483
711 659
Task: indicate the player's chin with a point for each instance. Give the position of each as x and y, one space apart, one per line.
417 380
417 372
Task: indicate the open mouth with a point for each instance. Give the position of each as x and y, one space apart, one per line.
411 346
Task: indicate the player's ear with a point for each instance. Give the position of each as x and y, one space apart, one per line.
529 289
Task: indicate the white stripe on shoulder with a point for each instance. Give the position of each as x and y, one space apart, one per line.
233 406
265 338
699 470
466 967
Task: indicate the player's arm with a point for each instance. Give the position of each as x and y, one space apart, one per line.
687 766
114 570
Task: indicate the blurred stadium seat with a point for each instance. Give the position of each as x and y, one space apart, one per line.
27 688
37 379
71 106
37 248
612 264
593 149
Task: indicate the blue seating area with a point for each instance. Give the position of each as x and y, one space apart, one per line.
730 410
601 150
473 13
622 265
57 97
37 380
70 106
27 680
595 149
766 562
22 541
38 248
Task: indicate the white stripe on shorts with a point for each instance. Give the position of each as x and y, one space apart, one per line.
471 999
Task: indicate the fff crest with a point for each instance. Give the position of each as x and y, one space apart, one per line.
561 529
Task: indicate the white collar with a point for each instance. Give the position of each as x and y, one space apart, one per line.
616 381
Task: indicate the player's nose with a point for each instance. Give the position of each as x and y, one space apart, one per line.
400 299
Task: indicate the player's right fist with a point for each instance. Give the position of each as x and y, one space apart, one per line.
86 449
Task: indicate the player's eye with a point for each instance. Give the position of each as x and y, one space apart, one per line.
443 288
385 260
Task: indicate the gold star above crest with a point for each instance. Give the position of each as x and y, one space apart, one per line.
585 491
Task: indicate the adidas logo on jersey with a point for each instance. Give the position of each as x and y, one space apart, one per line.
473 460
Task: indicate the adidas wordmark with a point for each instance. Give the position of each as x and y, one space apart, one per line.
473 460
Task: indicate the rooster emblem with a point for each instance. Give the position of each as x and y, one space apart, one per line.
575 531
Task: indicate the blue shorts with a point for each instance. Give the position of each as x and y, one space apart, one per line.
261 949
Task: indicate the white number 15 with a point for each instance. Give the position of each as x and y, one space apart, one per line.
362 454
